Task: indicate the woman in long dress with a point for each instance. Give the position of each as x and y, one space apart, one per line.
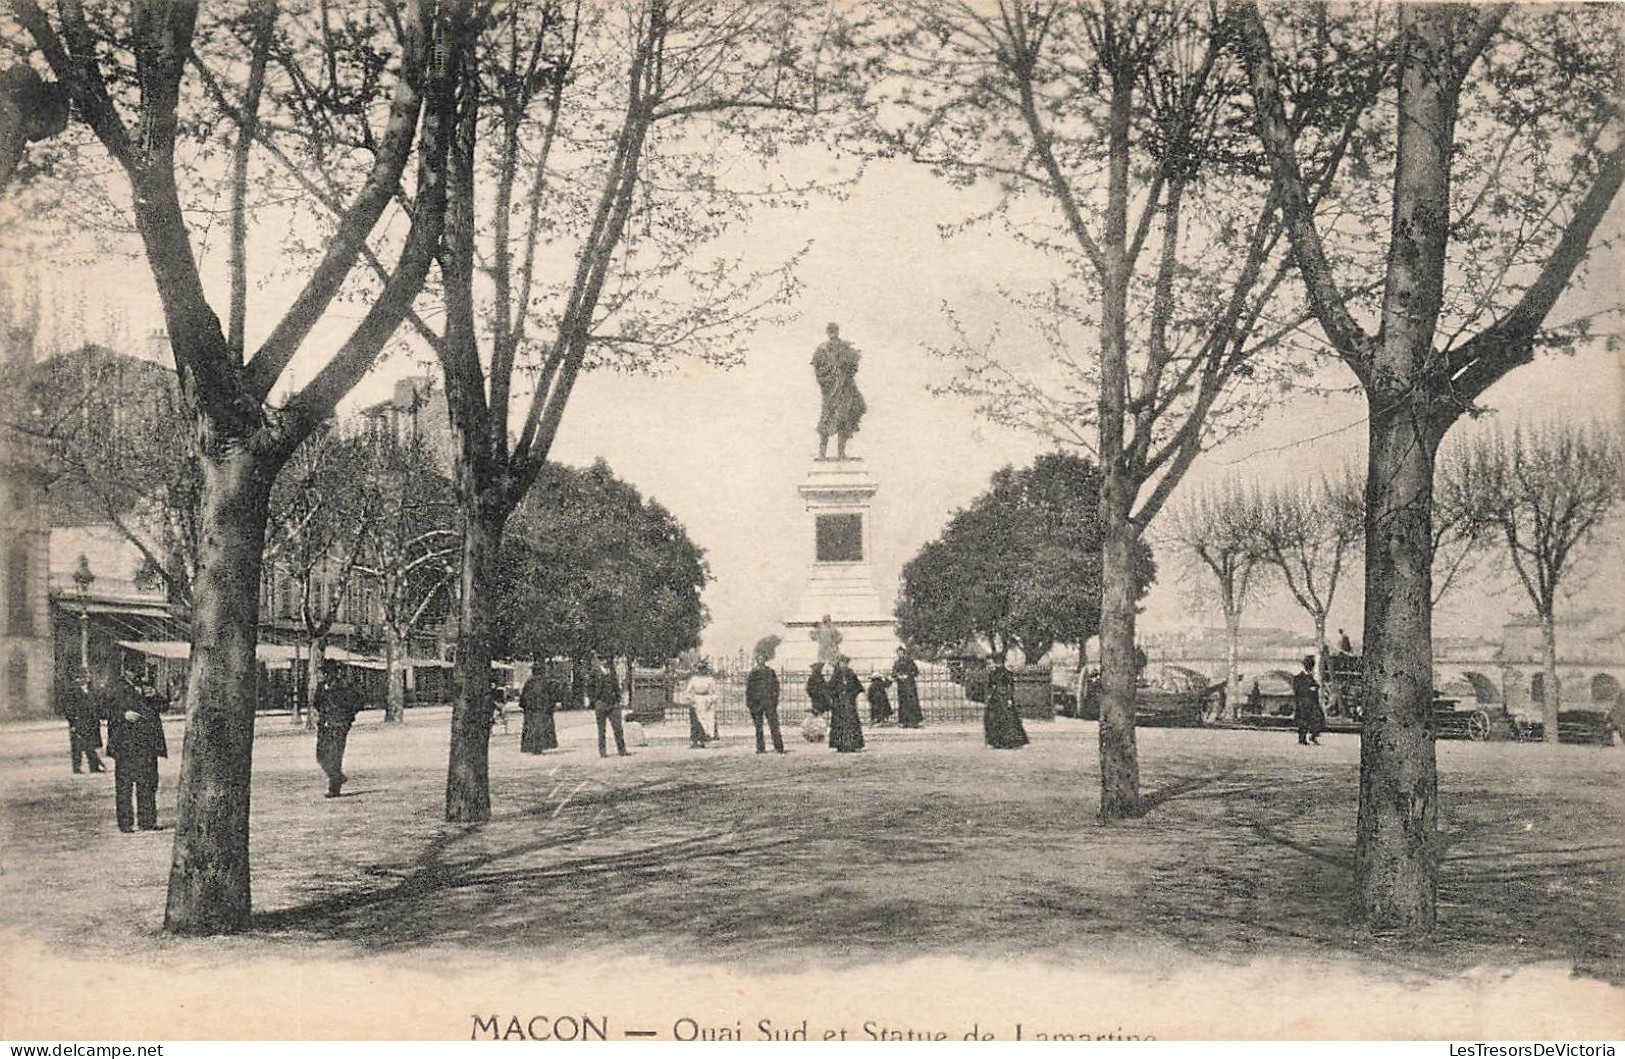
1001 723
845 727
907 675
537 701
701 693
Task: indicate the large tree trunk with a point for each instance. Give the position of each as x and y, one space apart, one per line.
209 889
1551 698
468 785
1119 762
394 682
1396 859
1395 854
1119 759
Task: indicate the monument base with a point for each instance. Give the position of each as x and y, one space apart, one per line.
839 495
871 644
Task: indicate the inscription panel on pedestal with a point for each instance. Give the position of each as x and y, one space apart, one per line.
839 538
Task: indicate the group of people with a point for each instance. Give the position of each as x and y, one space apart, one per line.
544 694
834 692
133 713
135 739
835 696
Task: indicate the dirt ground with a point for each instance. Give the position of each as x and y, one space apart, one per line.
928 846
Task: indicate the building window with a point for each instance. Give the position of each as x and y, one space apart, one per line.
19 614
17 679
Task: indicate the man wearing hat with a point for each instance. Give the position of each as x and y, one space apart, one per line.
337 703
762 700
135 741
1306 711
604 692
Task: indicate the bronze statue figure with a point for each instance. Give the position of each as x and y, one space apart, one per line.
836 365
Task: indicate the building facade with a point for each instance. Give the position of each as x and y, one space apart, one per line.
25 621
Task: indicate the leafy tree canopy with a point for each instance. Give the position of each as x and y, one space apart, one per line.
1020 567
590 566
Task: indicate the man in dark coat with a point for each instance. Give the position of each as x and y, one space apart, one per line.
907 675
537 700
762 700
1306 712
84 728
604 692
337 703
135 739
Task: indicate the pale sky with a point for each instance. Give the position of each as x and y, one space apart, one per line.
724 450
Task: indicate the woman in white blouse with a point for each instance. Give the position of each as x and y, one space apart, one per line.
701 695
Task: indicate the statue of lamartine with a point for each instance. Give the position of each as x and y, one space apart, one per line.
836 365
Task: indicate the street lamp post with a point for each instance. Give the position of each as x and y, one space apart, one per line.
82 578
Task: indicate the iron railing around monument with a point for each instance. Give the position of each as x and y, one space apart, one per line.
942 701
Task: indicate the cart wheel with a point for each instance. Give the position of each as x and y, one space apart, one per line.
1478 726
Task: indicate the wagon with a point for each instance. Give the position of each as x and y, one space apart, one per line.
1591 727
1153 707
1456 711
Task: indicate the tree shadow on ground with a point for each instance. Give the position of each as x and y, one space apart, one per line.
922 849
1230 867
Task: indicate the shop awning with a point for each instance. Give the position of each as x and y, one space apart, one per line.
179 649
273 655
134 610
409 663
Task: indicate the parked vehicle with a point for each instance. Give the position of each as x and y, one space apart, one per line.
1153 707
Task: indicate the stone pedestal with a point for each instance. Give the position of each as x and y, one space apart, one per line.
839 495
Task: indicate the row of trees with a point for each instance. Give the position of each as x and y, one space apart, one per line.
1205 180
363 521
554 166
1211 183
1533 499
1240 539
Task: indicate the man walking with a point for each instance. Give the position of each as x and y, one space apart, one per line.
84 728
604 693
762 699
1306 711
135 739
337 703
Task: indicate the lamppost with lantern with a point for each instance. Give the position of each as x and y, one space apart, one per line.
82 579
